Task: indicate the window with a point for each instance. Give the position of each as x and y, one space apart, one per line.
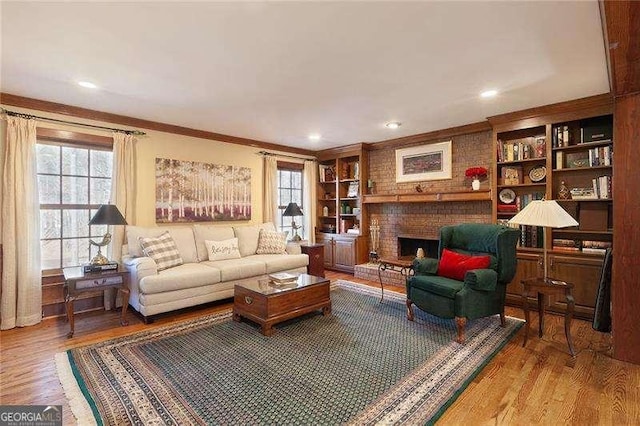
289 190
73 180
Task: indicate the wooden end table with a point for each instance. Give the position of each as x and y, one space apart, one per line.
404 267
78 282
267 304
541 288
316 258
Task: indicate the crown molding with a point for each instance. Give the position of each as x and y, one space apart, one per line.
89 114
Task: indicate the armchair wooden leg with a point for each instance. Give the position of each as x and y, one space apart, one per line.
461 322
503 321
409 310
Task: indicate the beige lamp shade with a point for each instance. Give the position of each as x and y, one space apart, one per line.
544 213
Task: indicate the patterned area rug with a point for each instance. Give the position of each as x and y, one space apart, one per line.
364 364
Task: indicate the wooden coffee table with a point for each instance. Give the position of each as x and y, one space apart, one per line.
267 303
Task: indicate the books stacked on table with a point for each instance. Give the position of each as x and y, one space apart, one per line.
282 278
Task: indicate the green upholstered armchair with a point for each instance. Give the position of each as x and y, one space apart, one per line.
482 293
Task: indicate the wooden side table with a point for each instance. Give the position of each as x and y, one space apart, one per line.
404 267
541 288
78 282
316 258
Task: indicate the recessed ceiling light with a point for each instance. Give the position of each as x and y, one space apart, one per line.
314 137
393 124
87 84
488 93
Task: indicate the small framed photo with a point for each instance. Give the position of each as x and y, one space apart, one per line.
354 187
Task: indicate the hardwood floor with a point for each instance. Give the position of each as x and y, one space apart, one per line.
539 384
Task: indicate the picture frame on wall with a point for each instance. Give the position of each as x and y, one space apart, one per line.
425 162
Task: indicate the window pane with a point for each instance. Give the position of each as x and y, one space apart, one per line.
50 254
101 162
75 190
75 161
285 179
49 189
75 252
75 223
50 223
296 197
100 191
96 230
48 158
296 180
285 197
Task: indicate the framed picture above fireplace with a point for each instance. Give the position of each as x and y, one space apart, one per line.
425 162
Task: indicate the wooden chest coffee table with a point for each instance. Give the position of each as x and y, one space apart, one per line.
267 303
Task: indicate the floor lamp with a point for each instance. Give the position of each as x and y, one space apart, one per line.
545 213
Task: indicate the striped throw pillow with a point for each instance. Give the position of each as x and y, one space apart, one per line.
162 249
272 242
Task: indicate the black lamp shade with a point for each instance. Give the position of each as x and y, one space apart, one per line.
108 214
292 210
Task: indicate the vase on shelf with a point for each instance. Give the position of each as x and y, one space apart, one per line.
475 184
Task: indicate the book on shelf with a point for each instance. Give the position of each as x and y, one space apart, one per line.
561 136
565 244
559 160
326 173
583 194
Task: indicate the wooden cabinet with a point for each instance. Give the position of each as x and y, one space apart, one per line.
342 221
562 152
341 252
316 258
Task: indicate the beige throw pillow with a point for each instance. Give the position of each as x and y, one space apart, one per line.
272 242
222 250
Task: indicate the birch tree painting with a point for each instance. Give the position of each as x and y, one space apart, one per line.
189 191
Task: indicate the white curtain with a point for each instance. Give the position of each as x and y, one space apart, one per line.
21 298
309 179
122 189
270 189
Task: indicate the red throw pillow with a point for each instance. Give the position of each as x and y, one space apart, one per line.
454 265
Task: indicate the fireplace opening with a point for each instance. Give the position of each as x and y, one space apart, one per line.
408 245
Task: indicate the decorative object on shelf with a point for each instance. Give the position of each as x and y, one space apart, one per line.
354 187
541 147
511 175
344 173
370 185
176 201
343 208
374 231
426 162
563 192
347 209
420 253
538 173
356 170
107 214
545 213
325 211
293 210
476 173
507 196
356 210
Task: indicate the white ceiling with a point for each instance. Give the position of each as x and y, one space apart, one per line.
277 72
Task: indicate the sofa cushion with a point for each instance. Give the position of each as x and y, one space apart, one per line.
248 237
455 265
281 262
162 250
184 276
235 269
183 237
203 233
221 250
442 286
272 242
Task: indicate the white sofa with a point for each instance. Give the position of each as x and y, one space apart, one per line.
199 280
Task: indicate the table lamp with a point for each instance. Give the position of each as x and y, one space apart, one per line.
545 213
107 214
293 210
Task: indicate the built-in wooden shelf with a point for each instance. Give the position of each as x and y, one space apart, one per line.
432 197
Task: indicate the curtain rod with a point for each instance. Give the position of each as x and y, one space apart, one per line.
265 153
74 123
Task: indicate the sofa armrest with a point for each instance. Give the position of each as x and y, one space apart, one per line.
139 267
481 279
425 266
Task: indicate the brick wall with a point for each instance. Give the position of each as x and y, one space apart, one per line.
427 218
